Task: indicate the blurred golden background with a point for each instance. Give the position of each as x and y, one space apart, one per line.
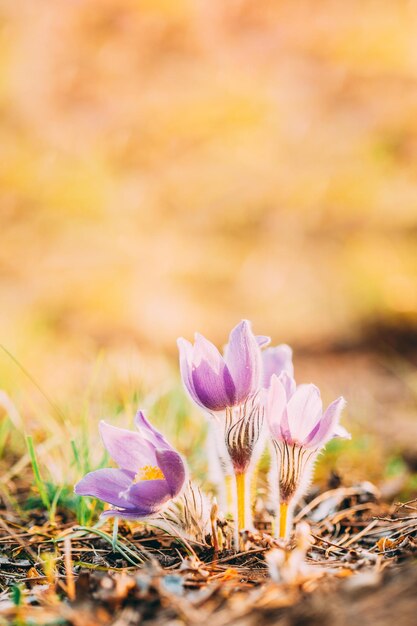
171 166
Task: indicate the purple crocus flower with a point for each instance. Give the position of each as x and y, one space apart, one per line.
215 382
295 414
275 361
227 388
299 429
150 471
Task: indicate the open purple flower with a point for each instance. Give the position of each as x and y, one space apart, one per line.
299 430
150 471
215 382
275 361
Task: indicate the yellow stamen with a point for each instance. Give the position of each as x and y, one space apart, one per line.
149 472
283 511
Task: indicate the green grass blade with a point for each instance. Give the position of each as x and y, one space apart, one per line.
37 474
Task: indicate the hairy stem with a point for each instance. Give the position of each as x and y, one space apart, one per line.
241 500
283 518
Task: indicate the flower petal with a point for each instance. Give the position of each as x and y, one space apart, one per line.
275 406
340 431
132 514
106 484
129 449
149 432
147 496
288 383
304 410
327 426
204 350
244 360
186 367
275 361
173 468
263 340
211 378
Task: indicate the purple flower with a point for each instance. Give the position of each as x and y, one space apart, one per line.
228 389
215 382
295 414
150 471
275 361
299 430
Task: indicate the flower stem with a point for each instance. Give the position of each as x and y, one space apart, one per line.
241 504
283 516
115 531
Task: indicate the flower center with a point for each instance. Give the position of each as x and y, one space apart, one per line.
149 472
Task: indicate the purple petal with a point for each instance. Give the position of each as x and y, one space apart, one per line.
275 406
129 449
327 426
149 432
106 484
288 383
340 431
132 514
148 496
263 340
304 410
285 429
211 378
186 366
312 437
244 360
275 361
173 469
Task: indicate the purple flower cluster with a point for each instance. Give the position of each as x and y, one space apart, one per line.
250 397
238 390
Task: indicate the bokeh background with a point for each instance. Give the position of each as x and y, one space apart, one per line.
172 166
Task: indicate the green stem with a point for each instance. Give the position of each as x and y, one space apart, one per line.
115 530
